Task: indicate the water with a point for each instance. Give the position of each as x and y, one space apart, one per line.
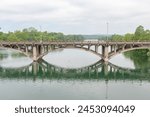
74 74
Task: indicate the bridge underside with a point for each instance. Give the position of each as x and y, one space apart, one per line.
105 50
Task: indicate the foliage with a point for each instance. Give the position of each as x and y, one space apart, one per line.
140 58
117 37
140 35
128 37
32 34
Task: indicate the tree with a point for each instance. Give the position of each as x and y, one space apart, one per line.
146 35
1 35
128 37
117 37
139 33
12 37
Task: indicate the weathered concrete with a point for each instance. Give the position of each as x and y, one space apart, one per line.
36 50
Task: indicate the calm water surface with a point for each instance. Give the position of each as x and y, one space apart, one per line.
74 74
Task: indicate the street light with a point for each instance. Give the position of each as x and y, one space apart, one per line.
107 31
41 35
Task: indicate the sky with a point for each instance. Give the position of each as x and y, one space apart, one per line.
75 16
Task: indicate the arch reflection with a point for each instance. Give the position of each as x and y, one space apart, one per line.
98 71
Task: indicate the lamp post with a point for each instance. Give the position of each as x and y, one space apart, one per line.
107 31
41 35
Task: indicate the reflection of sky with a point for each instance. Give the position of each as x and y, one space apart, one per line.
121 61
75 58
71 58
11 62
15 62
67 58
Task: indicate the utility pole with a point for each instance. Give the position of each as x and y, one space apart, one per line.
42 34
107 31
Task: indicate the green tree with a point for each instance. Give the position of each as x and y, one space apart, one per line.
146 35
1 35
128 37
117 37
139 33
12 37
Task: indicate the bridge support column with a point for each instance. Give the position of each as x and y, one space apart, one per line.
105 53
37 51
34 53
96 48
115 48
111 48
46 48
42 49
123 47
89 47
26 49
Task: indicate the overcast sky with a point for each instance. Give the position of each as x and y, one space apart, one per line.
75 16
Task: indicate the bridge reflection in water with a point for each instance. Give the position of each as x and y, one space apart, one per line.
98 71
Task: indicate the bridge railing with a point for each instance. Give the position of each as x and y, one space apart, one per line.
73 41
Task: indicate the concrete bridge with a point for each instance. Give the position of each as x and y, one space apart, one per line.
104 49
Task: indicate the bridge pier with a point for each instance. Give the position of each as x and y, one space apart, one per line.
26 47
111 48
37 51
34 53
96 48
105 53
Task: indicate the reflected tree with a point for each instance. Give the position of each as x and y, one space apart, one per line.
141 58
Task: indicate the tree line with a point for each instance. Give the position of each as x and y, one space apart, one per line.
140 35
141 58
32 34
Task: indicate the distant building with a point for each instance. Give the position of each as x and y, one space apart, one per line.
91 40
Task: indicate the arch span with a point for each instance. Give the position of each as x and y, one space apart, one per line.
36 50
71 47
16 50
126 50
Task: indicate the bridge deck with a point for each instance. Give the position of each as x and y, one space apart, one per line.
37 49
77 42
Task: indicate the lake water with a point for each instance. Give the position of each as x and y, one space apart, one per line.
74 74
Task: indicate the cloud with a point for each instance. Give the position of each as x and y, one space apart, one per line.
76 16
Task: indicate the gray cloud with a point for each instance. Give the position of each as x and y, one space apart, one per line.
76 16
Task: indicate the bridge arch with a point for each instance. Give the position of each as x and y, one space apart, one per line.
37 50
126 50
71 47
16 50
